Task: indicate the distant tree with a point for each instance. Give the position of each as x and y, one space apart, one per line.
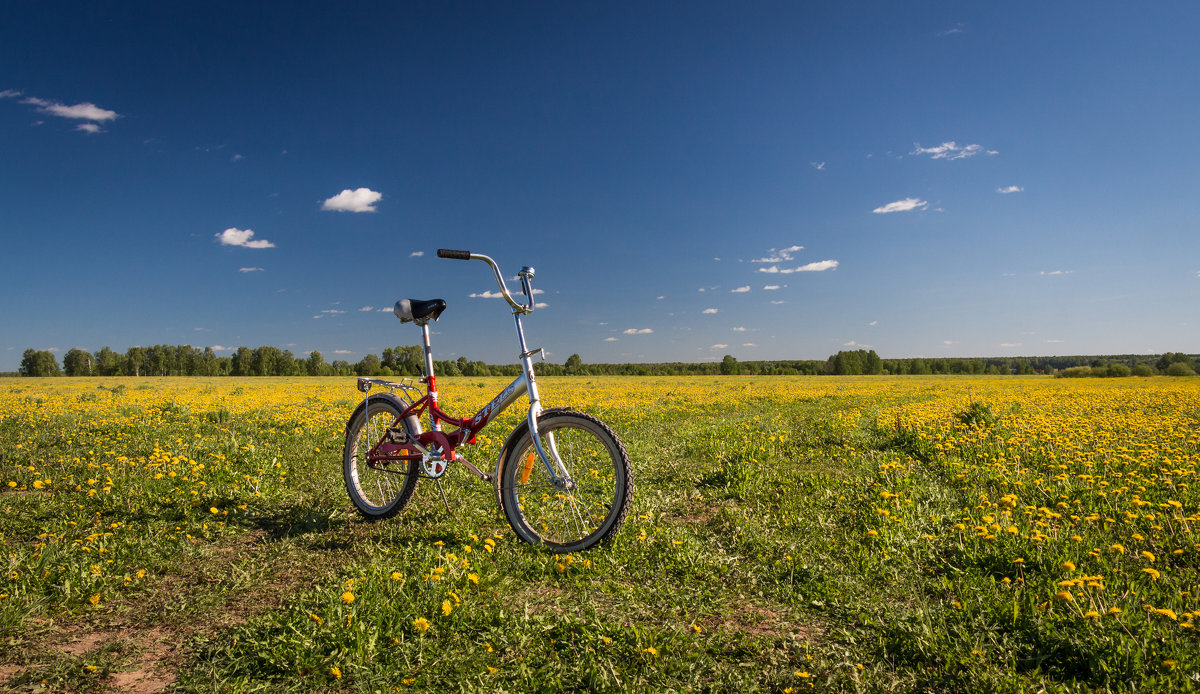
1179 368
1144 370
243 362
77 362
39 363
573 365
1165 361
341 367
729 366
135 357
316 365
368 366
109 363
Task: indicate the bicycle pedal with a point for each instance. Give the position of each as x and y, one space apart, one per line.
396 435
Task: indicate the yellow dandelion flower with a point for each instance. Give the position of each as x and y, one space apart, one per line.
316 619
347 597
95 599
1091 614
337 674
446 608
1120 549
1148 556
473 578
1152 572
396 576
1069 566
1113 611
651 650
1169 614
420 624
492 670
1065 596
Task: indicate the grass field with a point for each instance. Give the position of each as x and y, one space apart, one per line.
866 534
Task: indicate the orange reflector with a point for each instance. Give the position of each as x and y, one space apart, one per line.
527 468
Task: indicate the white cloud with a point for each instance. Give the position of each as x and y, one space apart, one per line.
416 254
329 312
83 111
660 298
949 342
1055 342
220 348
740 290
770 287
1010 189
241 237
367 308
904 205
818 266
952 150
818 165
776 303
718 346
1056 272
385 309
738 329
237 157
749 344
342 351
497 295
638 331
89 128
709 311
357 200
9 94
250 269
610 339
779 255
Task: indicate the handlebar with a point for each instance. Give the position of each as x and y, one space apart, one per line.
526 275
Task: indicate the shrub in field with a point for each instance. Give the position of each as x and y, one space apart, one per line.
1144 370
1180 369
1075 372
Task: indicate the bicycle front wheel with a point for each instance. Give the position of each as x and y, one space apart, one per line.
585 509
378 489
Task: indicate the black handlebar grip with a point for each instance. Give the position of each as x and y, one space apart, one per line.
456 255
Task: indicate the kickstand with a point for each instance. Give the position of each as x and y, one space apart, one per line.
443 492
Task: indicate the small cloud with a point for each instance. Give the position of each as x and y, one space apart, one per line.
250 269
638 331
949 342
83 111
329 312
905 205
660 298
718 346
956 29
1010 189
749 344
738 329
342 351
610 339
709 311
237 157
416 254
873 323
779 255
776 303
9 94
385 309
1052 273
221 348
740 290
819 266
1055 342
818 165
357 200
241 237
366 308
486 295
952 151
89 128
770 287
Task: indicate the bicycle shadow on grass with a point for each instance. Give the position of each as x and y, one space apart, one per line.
295 521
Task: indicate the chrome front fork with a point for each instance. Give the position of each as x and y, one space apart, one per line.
545 446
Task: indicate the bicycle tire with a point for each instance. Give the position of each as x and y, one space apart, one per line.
377 492
560 520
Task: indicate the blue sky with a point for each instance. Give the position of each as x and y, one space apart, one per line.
767 180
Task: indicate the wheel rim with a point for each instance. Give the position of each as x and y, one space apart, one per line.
376 488
558 516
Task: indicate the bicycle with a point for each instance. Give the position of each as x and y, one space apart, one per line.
563 478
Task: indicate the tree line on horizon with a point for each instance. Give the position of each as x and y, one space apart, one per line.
409 360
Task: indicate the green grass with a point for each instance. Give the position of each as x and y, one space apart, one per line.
759 556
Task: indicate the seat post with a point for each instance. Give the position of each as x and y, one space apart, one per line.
428 352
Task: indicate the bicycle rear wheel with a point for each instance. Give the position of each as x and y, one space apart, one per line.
378 489
567 517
